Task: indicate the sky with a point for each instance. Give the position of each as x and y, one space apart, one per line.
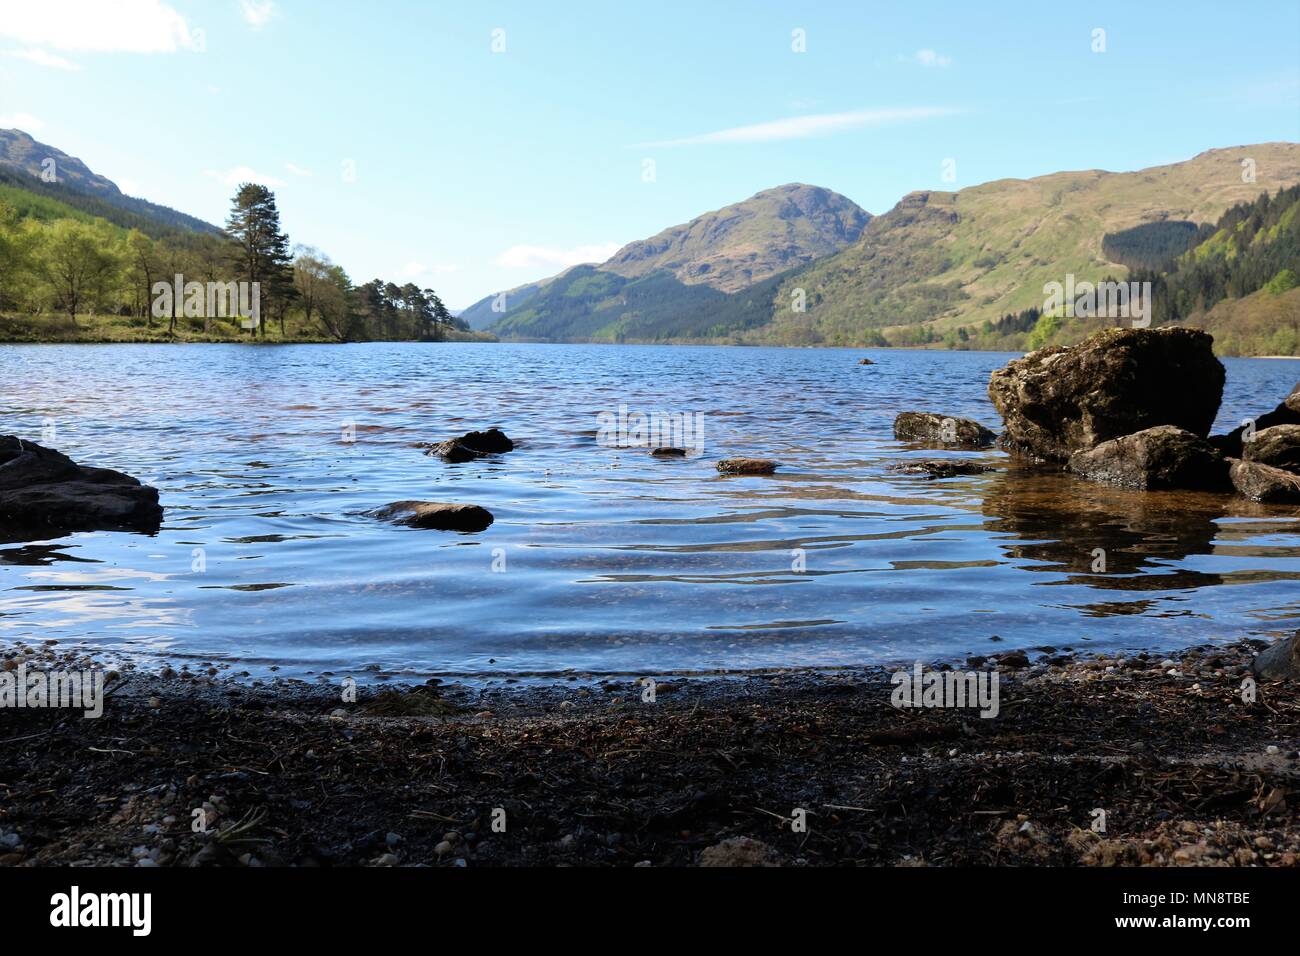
472 147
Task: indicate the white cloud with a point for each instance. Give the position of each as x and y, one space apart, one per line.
297 170
43 58
930 58
126 26
804 127
257 13
242 174
23 121
542 257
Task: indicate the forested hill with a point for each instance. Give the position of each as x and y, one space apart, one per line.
51 173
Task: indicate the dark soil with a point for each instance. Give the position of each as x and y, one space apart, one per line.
592 774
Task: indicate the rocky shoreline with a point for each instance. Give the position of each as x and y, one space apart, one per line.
1185 771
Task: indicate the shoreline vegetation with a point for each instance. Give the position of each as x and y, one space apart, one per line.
711 772
128 330
97 274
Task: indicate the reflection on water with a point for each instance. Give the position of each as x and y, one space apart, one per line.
602 559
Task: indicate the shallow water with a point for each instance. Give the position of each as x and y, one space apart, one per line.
602 560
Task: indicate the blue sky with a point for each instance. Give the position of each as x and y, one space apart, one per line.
478 170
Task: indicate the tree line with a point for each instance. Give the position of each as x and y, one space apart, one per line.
57 259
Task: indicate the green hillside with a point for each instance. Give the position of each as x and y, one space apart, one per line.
943 261
588 304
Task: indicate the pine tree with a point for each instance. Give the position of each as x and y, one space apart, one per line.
263 254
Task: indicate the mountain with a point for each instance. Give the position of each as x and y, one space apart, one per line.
710 277
24 163
940 261
482 313
734 247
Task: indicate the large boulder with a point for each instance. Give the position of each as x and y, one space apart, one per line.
1160 457
41 489
1287 413
1279 661
436 515
1264 482
1060 400
938 429
1278 446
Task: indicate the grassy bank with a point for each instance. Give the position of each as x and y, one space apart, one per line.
590 774
54 329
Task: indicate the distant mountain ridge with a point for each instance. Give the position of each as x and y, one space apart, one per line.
724 252
21 153
733 247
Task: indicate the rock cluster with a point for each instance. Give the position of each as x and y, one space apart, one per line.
1133 408
1058 400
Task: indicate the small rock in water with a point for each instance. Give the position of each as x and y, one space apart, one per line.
747 466
668 452
942 467
936 429
472 445
1260 482
865 361
1161 457
436 515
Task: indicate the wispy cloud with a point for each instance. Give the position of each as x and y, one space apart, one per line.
257 13
297 170
545 257
806 127
43 58
125 26
931 58
242 174
23 121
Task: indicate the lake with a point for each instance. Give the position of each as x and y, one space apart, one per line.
602 560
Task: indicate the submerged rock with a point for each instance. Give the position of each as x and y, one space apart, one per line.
1060 400
1160 457
1287 413
668 452
747 466
942 467
41 488
1278 446
1260 482
472 445
942 430
436 515
1280 661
